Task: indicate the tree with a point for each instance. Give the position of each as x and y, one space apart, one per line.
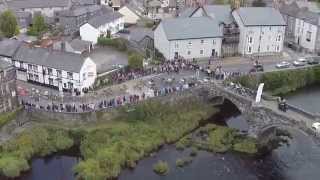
8 24
135 61
258 3
38 26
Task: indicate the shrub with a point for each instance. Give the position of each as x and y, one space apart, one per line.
194 151
183 162
135 61
119 44
246 146
7 116
161 168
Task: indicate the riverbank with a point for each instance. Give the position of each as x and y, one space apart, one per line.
116 140
282 82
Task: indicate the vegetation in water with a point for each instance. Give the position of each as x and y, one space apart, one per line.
183 143
38 141
183 162
135 133
282 82
161 168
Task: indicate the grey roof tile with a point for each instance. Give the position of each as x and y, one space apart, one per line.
104 19
222 13
79 45
19 4
260 16
8 47
55 59
191 28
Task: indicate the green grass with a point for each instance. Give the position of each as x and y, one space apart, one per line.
8 116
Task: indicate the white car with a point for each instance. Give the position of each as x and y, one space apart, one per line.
316 126
300 62
283 65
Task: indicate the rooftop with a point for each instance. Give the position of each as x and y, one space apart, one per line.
79 45
104 19
260 16
20 4
8 47
4 65
55 59
191 28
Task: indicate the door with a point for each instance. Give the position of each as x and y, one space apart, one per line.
213 53
176 55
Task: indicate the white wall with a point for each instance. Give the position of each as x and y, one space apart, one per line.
89 33
160 41
192 48
129 16
301 32
266 40
88 73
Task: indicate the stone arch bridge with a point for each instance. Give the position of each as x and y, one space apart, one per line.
260 116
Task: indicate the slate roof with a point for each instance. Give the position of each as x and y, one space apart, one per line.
308 16
260 16
8 47
104 19
4 65
187 12
49 58
19 4
290 9
191 28
79 10
222 13
79 45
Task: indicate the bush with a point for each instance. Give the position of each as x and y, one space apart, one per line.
119 44
7 116
161 168
246 146
135 61
194 151
183 162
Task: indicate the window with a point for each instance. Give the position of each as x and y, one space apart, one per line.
201 51
270 28
250 39
30 76
50 71
36 77
70 85
278 48
249 49
190 43
59 73
278 38
84 76
308 38
35 68
176 45
50 81
213 42
202 41
189 52
69 75
29 67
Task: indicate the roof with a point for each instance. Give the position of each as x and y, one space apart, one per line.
8 47
260 16
191 28
154 3
312 6
79 10
187 12
308 16
222 13
4 65
19 4
139 33
104 19
79 45
54 59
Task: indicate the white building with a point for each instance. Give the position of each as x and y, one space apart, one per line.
198 37
45 7
103 25
130 16
302 27
56 69
262 30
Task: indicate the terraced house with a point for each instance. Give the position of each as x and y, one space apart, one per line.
56 69
8 98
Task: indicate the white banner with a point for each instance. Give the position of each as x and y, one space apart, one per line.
259 92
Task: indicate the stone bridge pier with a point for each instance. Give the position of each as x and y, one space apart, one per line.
260 117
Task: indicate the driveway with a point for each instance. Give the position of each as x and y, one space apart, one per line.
107 57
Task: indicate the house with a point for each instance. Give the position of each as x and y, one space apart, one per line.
115 4
24 20
71 20
8 47
45 7
130 16
56 69
262 30
8 98
222 14
302 30
106 24
197 37
75 46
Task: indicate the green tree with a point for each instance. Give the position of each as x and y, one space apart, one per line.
8 24
135 61
38 26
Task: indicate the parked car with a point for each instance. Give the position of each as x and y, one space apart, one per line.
283 65
300 62
313 60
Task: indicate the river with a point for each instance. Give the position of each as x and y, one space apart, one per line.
299 160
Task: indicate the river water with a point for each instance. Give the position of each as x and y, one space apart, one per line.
298 161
